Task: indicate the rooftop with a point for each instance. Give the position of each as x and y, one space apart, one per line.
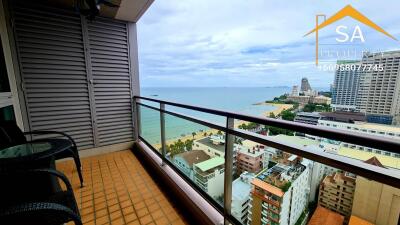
334 178
208 142
210 164
354 220
268 187
388 161
241 187
324 216
194 156
280 175
296 140
380 127
253 152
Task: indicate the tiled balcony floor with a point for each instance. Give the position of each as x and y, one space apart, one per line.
118 190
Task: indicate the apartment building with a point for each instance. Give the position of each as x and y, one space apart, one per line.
336 193
381 130
241 188
280 193
379 87
375 202
250 159
209 176
185 161
307 117
345 86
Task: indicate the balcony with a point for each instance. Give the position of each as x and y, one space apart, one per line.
64 89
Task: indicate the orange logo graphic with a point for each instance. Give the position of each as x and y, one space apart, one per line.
346 11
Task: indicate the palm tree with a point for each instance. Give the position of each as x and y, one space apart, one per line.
193 134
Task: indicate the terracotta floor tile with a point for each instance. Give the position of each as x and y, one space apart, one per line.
118 190
146 219
142 212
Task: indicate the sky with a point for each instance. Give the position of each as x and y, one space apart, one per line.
246 43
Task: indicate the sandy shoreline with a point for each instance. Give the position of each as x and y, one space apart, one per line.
278 109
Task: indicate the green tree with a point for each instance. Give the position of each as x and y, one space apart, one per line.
288 115
219 132
272 115
193 134
189 145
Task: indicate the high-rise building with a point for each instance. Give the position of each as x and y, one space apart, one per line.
336 193
345 86
379 87
305 86
280 193
375 202
295 91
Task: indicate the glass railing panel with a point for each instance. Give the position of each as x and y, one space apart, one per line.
150 128
198 152
277 186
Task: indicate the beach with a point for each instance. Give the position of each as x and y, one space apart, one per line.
278 109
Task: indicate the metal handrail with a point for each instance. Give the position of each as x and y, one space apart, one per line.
368 140
383 175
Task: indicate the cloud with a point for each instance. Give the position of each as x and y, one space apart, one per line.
244 43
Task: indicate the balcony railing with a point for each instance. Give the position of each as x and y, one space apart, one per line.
159 109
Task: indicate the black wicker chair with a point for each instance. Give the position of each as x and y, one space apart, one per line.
11 134
40 207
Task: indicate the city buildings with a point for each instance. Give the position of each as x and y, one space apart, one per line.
324 216
375 202
308 117
336 193
379 87
280 193
241 188
345 86
209 176
184 161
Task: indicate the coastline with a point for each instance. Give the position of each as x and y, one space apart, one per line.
278 109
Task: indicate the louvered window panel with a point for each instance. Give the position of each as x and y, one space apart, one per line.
53 71
109 56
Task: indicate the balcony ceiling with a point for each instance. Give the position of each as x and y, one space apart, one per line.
128 10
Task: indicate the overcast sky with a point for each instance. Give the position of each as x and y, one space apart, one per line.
249 42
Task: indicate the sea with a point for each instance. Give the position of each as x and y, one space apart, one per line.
236 99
